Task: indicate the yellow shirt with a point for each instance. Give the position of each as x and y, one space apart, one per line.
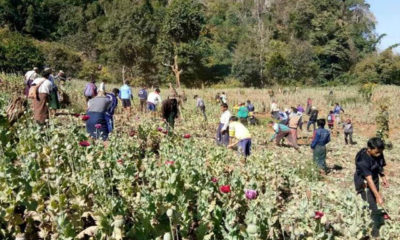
238 131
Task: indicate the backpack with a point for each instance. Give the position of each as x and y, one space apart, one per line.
89 91
33 90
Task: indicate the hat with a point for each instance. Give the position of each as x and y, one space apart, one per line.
314 108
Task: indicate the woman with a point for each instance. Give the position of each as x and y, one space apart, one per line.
96 125
169 110
54 104
40 108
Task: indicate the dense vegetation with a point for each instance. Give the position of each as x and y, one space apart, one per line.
257 42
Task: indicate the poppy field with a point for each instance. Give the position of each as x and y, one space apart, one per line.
147 183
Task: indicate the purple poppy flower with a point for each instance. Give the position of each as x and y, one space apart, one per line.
251 194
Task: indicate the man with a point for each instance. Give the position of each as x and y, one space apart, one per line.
40 108
223 127
143 99
274 110
201 106
223 98
54 103
283 117
370 163
30 76
60 77
111 109
337 110
313 118
239 135
153 100
125 94
294 122
282 131
321 137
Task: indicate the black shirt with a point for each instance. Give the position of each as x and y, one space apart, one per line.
367 165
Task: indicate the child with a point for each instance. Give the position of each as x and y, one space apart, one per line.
331 120
348 131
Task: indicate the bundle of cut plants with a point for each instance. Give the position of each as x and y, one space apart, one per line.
16 109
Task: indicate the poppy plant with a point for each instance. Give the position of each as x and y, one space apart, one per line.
318 215
225 188
84 143
85 117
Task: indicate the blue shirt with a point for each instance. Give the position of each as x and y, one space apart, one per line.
125 92
337 109
250 107
113 105
322 137
143 94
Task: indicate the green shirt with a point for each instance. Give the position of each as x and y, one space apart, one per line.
243 112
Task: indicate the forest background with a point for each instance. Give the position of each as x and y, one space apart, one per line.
250 43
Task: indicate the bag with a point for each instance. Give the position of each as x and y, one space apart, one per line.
33 90
329 118
89 90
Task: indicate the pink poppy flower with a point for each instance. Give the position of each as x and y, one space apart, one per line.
169 162
318 215
225 188
97 126
159 129
84 143
120 161
214 179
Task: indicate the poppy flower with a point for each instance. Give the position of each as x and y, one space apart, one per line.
169 162
159 129
186 136
225 188
85 117
251 194
214 179
165 131
120 161
97 126
77 115
84 143
318 215
386 216
132 133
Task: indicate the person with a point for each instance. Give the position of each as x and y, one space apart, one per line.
337 110
300 109
60 77
90 90
217 98
240 136
153 99
40 102
143 98
169 111
318 145
54 103
309 106
274 110
125 94
294 123
111 109
370 163
313 118
283 117
243 113
282 131
96 125
223 127
223 97
331 120
348 132
250 107
201 106
30 76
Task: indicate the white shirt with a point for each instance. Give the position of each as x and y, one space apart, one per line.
223 98
45 87
225 116
31 75
154 98
274 107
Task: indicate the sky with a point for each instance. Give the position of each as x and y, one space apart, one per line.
387 14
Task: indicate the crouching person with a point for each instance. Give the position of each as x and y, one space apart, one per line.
239 135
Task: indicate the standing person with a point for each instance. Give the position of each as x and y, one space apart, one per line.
217 98
274 110
143 99
30 76
309 106
318 145
348 132
300 109
250 107
90 90
125 94
201 106
282 131
239 135
223 127
294 123
337 110
169 111
54 103
331 120
43 87
111 109
97 126
223 97
243 113
153 99
370 163
313 118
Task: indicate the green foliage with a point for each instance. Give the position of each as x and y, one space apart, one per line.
366 91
